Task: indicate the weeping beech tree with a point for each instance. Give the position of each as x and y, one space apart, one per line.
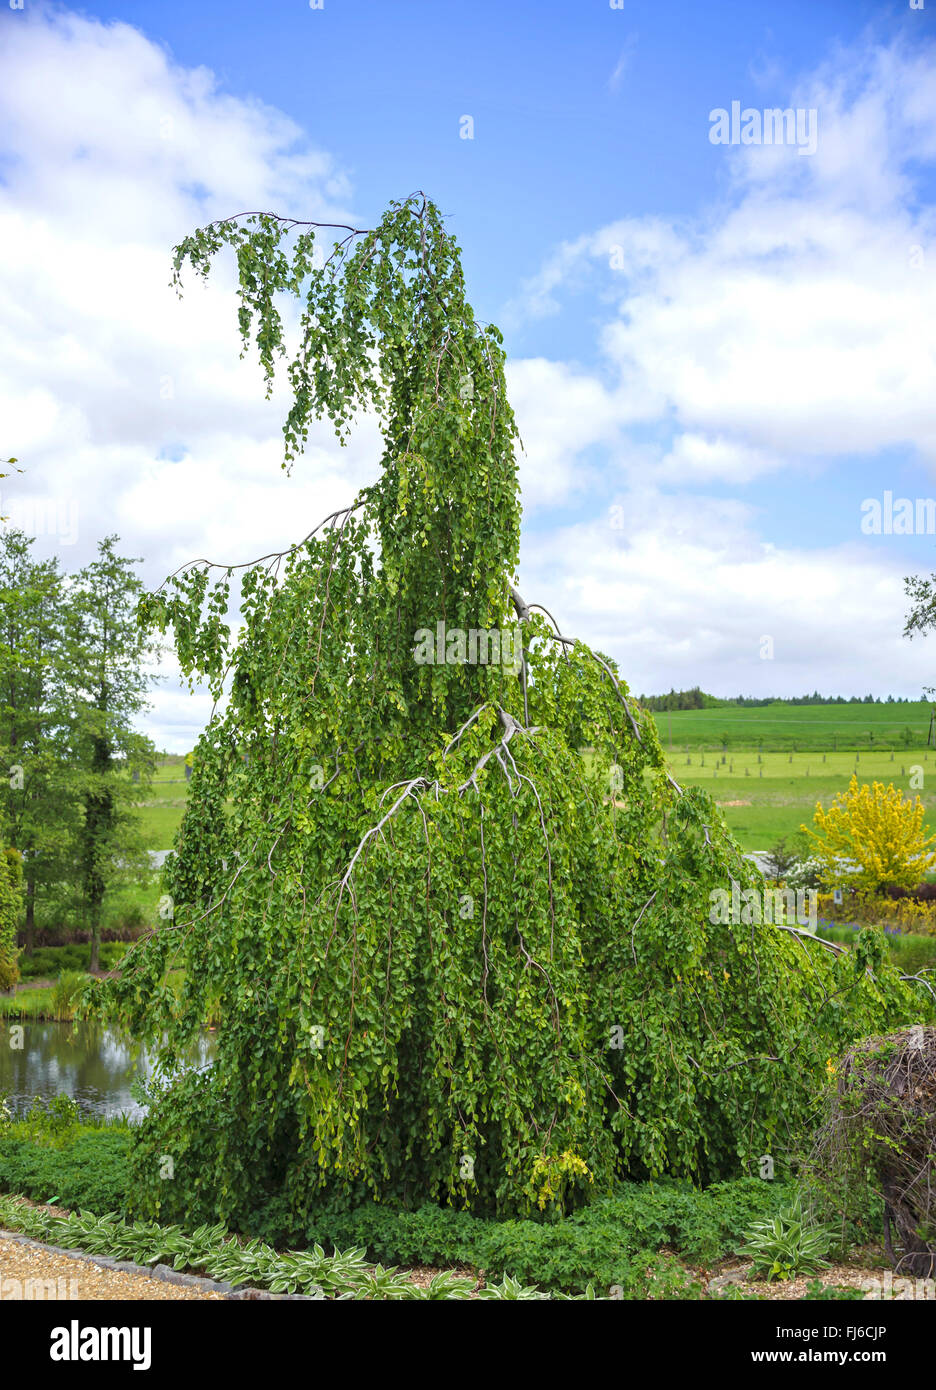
454 913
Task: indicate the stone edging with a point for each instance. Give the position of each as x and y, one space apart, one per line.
165 1273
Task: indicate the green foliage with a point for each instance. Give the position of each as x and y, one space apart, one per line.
106 683
51 1122
787 1245
37 814
71 685
455 960
613 1243
66 994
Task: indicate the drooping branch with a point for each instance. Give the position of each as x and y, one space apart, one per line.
272 555
523 611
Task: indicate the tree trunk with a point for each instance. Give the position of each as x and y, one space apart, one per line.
30 936
99 821
94 964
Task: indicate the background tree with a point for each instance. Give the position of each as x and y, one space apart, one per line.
11 905
455 959
779 860
106 682
39 813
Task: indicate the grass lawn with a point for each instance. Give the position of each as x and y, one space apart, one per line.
161 812
774 792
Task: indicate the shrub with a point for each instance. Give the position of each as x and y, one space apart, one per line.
877 829
805 874
66 994
46 962
51 1122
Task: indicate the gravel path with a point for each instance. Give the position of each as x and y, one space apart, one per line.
63 1278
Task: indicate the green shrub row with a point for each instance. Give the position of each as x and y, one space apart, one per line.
636 1241
89 1172
46 962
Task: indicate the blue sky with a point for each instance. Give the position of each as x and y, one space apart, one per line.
717 353
583 113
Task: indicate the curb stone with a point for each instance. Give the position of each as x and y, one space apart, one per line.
165 1273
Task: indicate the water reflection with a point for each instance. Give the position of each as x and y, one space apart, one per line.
94 1065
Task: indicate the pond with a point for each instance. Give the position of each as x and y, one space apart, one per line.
95 1066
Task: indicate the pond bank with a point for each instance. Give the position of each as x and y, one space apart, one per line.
95 1065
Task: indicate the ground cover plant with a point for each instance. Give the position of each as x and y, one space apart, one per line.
642 1240
654 1239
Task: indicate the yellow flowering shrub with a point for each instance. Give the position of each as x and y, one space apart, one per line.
879 831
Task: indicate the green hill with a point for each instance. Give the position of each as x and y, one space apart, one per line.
780 727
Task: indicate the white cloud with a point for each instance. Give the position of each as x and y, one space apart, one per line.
100 356
791 325
799 316
107 376
686 593
561 411
698 458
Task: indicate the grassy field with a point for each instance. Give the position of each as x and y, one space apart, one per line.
777 727
764 796
161 813
765 800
